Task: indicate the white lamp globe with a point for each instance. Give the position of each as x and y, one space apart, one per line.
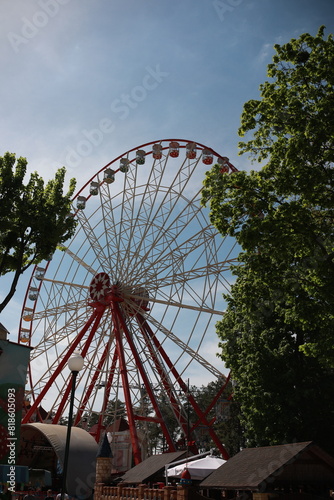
76 362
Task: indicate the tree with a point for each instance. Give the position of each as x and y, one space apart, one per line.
276 335
34 218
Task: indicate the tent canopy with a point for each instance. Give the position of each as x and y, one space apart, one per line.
38 440
199 469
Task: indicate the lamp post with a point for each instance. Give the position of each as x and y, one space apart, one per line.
75 364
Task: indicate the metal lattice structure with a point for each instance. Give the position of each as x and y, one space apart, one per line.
137 292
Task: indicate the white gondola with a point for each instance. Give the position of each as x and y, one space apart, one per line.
207 157
33 293
140 157
124 165
223 162
174 149
24 335
109 176
157 151
39 273
27 314
191 150
94 188
81 202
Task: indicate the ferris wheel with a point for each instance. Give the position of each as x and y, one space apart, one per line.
136 291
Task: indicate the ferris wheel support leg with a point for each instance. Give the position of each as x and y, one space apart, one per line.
184 387
213 402
100 422
215 399
66 395
95 317
169 390
62 404
91 386
150 392
125 384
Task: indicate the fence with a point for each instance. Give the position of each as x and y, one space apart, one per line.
141 492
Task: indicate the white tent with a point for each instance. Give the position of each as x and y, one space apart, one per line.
199 469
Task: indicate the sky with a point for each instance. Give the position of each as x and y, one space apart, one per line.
84 81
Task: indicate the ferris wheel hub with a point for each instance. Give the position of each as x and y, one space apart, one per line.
100 287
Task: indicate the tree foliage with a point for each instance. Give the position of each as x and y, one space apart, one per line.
34 218
276 335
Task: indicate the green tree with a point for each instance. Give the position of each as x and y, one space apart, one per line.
276 335
34 218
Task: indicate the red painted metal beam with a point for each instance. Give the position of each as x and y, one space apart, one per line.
65 397
184 387
91 385
95 317
214 401
147 384
125 383
161 370
106 395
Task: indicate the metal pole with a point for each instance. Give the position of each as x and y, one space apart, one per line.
188 420
68 436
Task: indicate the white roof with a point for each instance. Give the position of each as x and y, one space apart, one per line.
199 469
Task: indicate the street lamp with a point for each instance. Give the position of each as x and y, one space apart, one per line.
75 364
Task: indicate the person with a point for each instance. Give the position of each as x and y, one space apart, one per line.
6 494
66 497
30 495
49 495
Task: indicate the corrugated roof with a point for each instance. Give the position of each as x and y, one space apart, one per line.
258 468
151 467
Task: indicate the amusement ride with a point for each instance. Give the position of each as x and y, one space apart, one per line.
136 292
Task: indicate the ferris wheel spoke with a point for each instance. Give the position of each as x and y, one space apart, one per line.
55 311
201 297
175 256
144 196
184 347
156 205
109 222
166 227
107 214
178 304
214 270
80 261
61 336
95 245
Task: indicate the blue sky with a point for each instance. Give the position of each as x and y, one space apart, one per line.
84 81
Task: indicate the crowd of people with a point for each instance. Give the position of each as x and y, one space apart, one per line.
31 494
